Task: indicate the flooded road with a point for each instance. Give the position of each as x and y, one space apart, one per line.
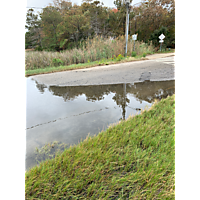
68 114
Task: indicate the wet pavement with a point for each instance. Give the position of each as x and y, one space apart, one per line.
68 114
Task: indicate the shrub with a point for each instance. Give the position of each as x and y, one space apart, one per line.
38 48
133 54
57 62
144 55
119 57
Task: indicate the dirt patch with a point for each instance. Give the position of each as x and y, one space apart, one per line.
29 50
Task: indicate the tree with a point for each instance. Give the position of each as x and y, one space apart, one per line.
33 35
62 6
51 18
152 16
62 25
155 36
74 26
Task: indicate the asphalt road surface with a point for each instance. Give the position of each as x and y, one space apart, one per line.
157 69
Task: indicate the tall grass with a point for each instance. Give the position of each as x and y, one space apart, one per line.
93 49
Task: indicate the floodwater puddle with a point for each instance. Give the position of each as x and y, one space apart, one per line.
68 114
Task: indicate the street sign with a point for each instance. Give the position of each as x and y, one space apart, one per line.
134 37
161 37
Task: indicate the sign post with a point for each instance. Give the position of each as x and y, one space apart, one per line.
134 37
161 37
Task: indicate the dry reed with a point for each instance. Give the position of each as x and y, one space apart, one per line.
94 49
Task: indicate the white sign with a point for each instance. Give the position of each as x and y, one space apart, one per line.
161 37
134 37
161 41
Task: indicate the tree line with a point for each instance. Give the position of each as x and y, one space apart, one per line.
63 25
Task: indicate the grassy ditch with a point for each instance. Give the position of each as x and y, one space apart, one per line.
134 159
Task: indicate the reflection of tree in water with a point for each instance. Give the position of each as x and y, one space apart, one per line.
120 100
150 90
143 91
40 87
92 93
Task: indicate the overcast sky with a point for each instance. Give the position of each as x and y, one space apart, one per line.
44 3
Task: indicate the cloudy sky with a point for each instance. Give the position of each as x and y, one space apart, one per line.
44 3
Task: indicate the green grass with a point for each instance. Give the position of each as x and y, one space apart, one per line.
134 159
80 65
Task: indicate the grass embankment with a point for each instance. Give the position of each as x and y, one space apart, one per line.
133 160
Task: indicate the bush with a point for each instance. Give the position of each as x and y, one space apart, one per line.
144 55
38 48
119 57
133 54
57 62
169 40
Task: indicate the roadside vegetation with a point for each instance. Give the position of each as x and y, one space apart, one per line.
93 52
134 159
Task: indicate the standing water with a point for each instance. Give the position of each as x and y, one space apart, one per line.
68 114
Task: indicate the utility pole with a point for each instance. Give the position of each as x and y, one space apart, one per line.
127 2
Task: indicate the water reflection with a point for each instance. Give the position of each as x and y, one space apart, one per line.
143 91
68 114
40 87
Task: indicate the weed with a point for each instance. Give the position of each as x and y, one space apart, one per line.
144 55
133 54
119 57
57 62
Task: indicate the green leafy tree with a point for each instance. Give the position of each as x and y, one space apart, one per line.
152 16
155 37
74 27
33 25
51 18
62 25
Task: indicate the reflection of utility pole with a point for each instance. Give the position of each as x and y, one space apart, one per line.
124 102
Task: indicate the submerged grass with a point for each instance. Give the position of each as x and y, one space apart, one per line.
134 159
